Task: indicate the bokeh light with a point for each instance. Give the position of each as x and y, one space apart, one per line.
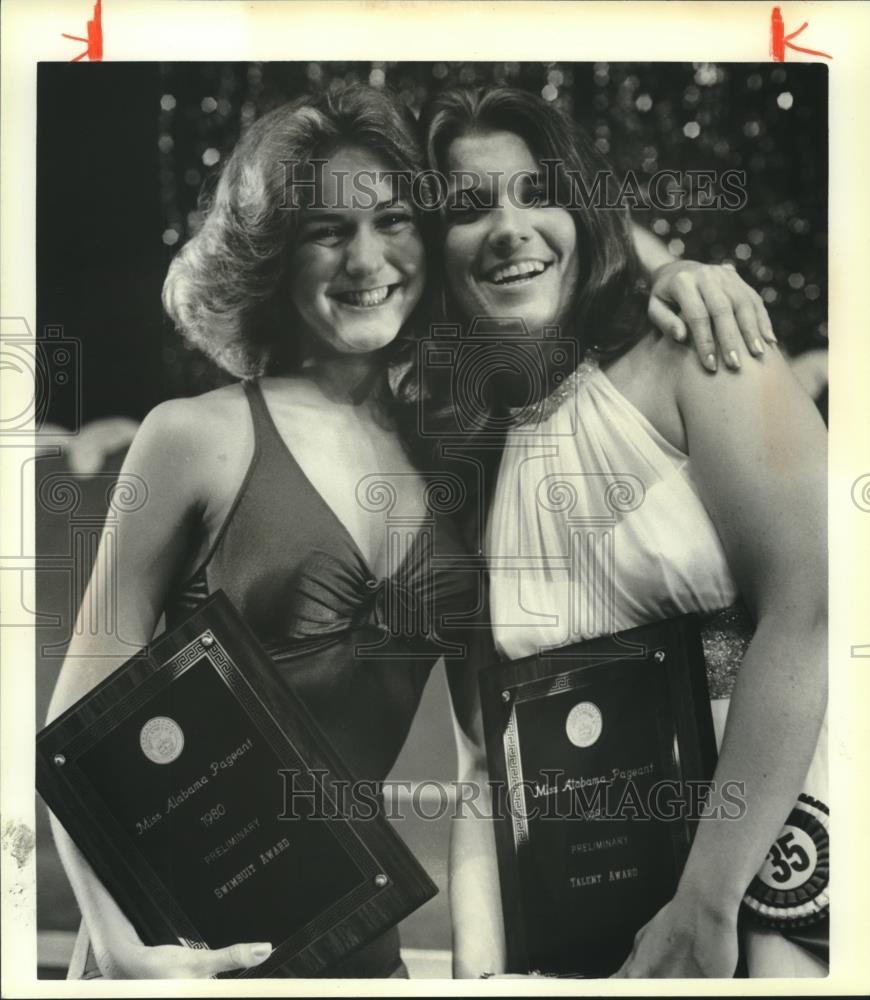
768 121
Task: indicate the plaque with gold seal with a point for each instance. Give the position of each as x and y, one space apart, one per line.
601 755
172 775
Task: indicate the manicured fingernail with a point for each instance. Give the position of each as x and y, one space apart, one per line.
710 362
680 335
733 360
261 951
757 346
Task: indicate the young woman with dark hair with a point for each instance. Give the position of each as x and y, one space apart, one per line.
727 518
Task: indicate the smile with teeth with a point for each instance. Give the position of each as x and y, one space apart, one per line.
524 270
366 298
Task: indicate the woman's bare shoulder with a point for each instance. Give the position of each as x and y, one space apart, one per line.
647 375
190 440
195 449
651 358
664 357
676 369
197 420
757 382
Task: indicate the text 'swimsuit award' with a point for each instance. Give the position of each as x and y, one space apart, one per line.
172 776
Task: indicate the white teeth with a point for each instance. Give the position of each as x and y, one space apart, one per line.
523 269
368 297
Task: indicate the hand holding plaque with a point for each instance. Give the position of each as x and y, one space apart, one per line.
135 960
599 747
687 938
171 777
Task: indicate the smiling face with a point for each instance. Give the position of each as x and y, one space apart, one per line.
513 258
357 268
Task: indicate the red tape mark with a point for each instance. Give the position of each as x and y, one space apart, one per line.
94 40
780 41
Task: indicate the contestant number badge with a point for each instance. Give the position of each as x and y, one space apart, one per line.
791 888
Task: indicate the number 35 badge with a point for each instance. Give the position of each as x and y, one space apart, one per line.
791 888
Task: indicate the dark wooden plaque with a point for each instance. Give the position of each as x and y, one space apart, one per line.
599 752
172 777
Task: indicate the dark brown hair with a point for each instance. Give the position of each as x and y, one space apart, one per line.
608 311
608 308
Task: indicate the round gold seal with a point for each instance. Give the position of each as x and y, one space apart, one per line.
161 740
584 723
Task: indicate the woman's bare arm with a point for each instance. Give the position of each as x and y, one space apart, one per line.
757 448
475 900
148 543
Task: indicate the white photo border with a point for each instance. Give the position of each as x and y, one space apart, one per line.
214 30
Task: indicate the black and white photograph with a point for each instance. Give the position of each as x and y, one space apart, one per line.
430 560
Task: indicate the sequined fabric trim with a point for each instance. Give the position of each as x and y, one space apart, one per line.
543 411
725 636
